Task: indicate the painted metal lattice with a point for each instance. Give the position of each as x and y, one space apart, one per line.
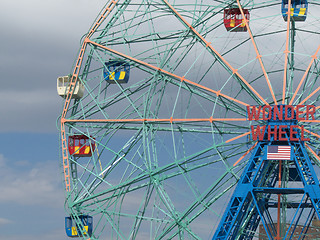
170 145
279 175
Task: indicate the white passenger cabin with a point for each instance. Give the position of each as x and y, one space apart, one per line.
63 87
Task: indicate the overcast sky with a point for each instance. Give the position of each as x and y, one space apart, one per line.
39 42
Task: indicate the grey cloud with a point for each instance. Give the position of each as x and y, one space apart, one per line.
39 42
4 221
38 186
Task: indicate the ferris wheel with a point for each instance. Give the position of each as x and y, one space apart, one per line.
170 101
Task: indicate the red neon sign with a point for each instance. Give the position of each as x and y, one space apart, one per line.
279 132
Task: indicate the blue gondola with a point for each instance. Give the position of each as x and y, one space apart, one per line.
116 71
72 230
299 9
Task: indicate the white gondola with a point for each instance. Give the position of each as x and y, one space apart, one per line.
63 87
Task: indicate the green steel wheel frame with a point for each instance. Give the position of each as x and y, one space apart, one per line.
171 144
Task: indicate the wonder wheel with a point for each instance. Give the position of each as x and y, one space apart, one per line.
161 114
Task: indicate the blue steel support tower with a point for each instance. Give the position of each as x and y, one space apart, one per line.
253 201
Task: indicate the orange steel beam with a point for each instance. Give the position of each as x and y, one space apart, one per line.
312 133
102 17
316 155
73 81
65 159
286 54
245 154
309 96
171 120
279 202
208 45
235 138
76 71
258 54
310 121
304 75
182 79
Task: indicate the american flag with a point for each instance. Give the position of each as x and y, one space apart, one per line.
279 153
